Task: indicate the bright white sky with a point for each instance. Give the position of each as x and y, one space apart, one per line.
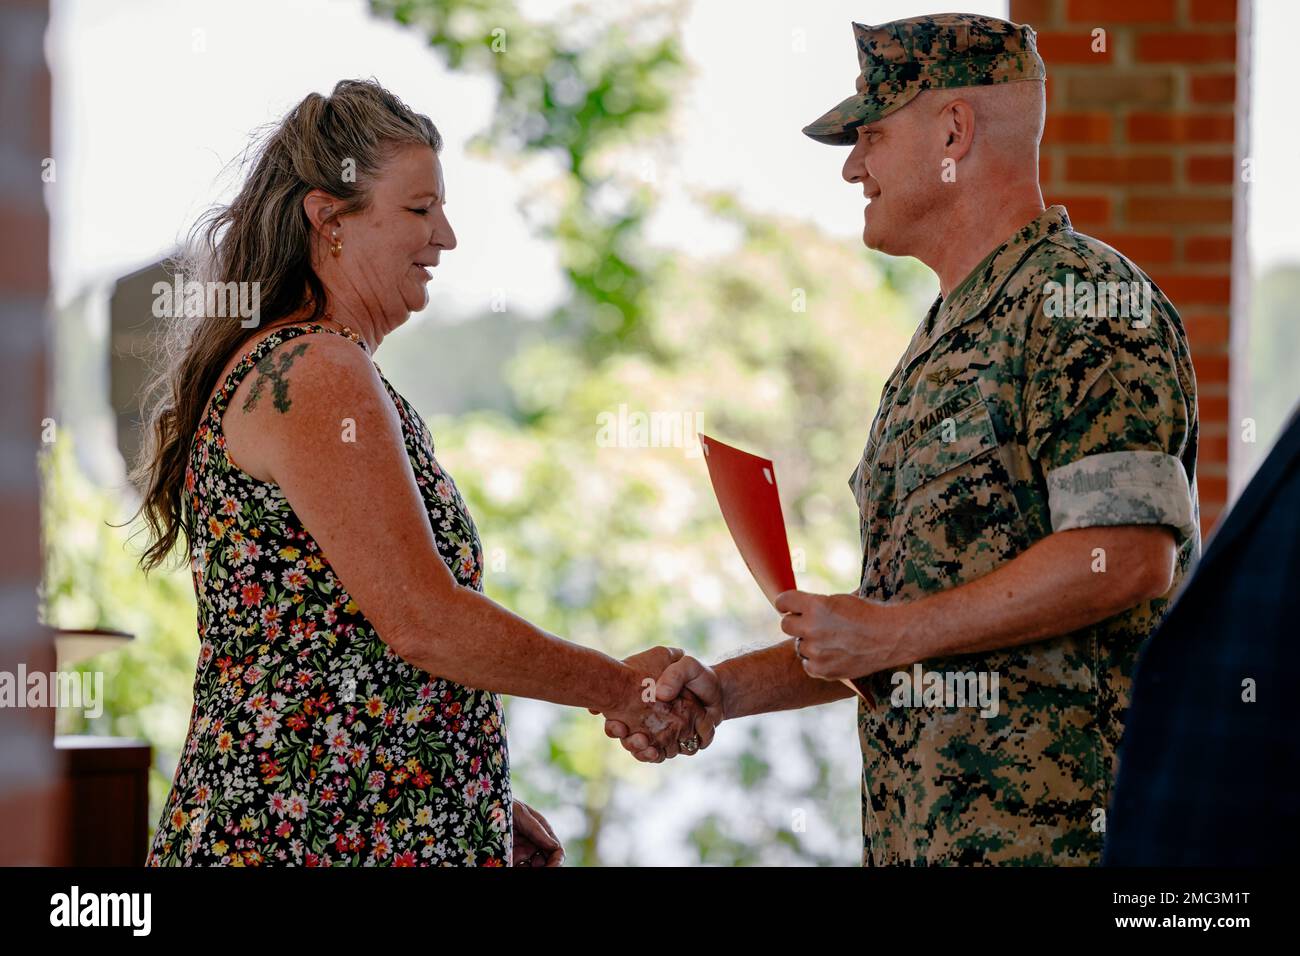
145 123
1275 139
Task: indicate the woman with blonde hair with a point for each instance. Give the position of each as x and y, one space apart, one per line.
346 700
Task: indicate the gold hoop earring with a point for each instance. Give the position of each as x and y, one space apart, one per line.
336 247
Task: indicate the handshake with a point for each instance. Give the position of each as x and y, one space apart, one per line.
677 711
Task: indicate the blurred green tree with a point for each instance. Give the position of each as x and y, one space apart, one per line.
576 91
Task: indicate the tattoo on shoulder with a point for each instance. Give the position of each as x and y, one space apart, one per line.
273 369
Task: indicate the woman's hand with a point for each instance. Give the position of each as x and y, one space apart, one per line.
667 728
660 729
535 843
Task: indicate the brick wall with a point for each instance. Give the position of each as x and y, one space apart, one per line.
30 798
1139 146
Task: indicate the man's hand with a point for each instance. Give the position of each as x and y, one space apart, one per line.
840 636
680 682
658 726
535 843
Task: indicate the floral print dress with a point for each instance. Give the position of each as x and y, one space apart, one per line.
310 742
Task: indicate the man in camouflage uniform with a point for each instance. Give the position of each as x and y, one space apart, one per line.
1027 490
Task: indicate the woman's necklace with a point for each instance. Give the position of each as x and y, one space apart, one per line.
346 330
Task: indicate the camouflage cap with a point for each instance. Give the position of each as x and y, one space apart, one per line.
902 58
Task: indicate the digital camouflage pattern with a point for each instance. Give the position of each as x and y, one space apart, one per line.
1123 487
1003 422
902 58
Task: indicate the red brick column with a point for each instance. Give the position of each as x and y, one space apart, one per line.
30 796
1139 146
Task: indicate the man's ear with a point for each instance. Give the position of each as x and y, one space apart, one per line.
320 208
958 129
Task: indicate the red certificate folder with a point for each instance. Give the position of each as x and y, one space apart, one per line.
745 486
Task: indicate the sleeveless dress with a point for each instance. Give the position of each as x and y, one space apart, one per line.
310 742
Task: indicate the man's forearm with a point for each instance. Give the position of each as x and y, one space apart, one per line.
1052 588
1055 586
772 679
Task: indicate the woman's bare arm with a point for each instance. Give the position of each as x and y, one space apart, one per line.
360 501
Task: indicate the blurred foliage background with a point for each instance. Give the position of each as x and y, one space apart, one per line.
780 346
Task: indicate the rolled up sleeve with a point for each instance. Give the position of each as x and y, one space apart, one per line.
1121 488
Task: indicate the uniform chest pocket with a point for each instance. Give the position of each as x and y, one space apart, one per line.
955 513
947 445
